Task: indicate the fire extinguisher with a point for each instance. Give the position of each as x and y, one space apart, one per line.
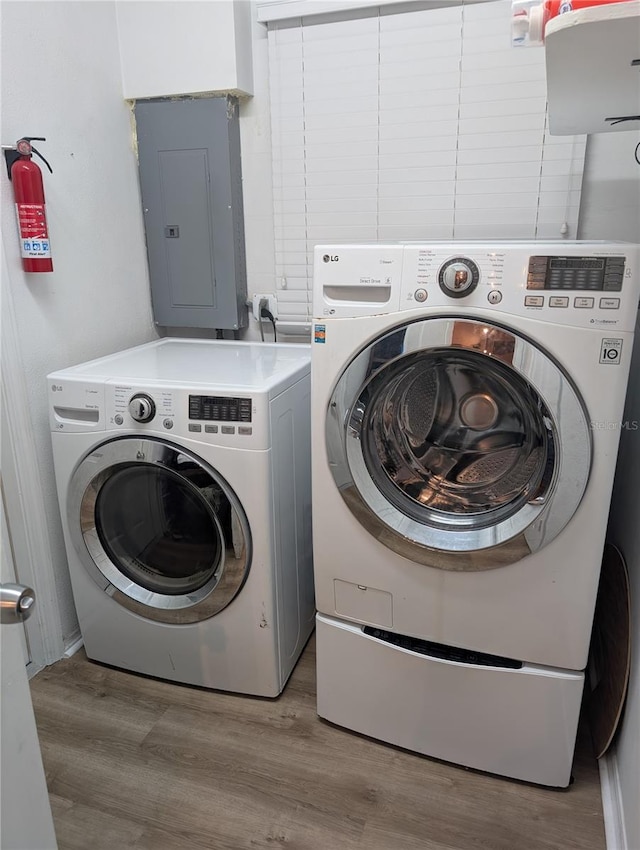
28 191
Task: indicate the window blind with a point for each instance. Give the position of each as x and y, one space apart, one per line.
420 124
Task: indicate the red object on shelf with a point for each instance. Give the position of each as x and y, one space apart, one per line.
530 17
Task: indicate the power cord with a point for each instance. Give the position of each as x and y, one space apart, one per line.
265 313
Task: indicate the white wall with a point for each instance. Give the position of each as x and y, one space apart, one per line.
610 206
611 210
61 80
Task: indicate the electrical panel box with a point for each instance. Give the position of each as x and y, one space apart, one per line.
191 184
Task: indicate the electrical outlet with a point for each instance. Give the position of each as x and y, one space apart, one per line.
271 304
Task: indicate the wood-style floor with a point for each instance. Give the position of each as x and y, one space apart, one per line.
133 762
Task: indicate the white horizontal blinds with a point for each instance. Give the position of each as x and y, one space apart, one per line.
501 131
424 124
341 130
286 73
324 101
419 74
509 181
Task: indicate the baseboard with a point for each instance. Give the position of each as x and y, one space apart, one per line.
73 644
612 808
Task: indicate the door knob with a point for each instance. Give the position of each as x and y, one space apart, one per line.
16 603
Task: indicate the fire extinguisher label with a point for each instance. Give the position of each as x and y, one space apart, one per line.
32 224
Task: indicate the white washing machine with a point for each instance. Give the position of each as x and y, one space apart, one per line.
183 475
466 411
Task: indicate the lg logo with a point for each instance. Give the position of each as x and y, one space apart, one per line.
330 258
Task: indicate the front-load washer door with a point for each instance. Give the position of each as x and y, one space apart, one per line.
458 443
158 529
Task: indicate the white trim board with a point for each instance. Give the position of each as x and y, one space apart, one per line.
612 808
73 644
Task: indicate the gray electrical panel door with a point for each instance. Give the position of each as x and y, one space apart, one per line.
191 183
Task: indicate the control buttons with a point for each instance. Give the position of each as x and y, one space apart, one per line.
583 303
142 407
494 297
458 277
613 274
168 423
244 430
228 429
118 419
534 301
211 429
609 303
420 295
194 427
558 301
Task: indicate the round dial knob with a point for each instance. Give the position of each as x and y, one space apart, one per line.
458 277
142 407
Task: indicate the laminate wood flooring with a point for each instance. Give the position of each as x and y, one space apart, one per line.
133 763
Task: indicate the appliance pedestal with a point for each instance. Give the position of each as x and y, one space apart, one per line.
519 723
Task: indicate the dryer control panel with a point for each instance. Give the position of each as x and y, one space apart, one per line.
224 420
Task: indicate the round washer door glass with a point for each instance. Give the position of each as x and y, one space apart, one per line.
159 530
451 439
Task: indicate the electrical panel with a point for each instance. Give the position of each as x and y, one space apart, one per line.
191 184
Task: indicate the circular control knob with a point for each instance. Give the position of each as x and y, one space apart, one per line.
458 277
142 407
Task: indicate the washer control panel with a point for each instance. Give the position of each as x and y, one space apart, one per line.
579 283
582 284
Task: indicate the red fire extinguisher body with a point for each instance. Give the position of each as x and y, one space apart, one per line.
28 189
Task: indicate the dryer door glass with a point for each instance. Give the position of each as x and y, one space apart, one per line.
159 530
458 443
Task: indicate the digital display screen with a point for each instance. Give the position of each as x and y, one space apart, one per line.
219 408
577 274
576 263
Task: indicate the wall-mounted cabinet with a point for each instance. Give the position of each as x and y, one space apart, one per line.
593 69
176 48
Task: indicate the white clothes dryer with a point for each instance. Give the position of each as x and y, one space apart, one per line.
183 475
466 412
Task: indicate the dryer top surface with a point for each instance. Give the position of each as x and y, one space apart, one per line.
211 363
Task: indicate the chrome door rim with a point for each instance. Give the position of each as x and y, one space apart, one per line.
86 482
528 530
